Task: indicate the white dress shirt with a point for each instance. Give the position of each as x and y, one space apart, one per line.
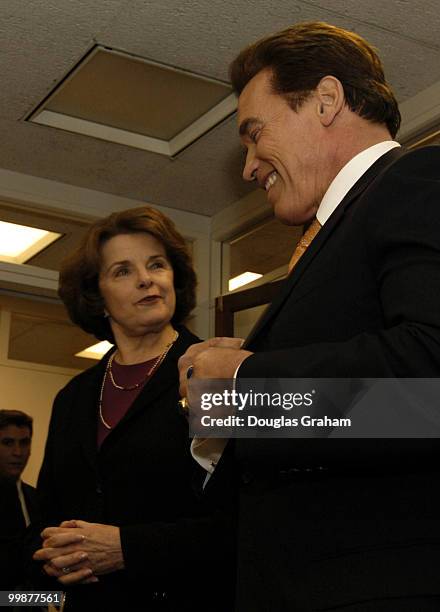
23 503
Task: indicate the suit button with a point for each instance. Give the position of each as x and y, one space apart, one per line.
246 478
98 489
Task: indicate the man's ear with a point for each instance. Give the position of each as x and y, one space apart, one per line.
330 99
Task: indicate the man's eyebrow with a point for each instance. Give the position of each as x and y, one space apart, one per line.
247 124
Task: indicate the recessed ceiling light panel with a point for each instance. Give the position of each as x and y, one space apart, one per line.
118 97
243 279
96 351
19 243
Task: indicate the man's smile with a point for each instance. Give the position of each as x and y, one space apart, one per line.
271 180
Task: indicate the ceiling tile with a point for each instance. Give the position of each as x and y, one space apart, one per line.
41 43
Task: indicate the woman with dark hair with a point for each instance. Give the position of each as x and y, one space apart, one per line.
122 523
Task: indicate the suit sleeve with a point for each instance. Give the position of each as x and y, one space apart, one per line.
194 548
46 506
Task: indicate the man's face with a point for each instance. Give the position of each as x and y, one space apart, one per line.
15 448
286 150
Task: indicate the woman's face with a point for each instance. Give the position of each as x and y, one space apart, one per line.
136 282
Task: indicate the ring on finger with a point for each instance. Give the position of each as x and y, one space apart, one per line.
65 570
184 405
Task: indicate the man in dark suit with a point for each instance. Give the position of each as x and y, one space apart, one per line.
328 524
17 506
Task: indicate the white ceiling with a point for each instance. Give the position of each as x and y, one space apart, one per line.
40 40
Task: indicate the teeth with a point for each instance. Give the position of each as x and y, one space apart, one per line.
271 180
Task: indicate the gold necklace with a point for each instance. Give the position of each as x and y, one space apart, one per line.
108 372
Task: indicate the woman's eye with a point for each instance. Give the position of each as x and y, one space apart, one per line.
156 265
122 272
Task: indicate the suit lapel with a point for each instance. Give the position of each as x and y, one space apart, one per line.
86 408
292 280
162 379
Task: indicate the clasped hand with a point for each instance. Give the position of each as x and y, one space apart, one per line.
78 551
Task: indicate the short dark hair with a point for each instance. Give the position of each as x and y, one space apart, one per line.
300 56
79 274
17 418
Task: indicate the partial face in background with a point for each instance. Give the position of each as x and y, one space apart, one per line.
15 448
136 282
285 149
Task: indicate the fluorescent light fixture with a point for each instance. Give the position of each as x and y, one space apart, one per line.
19 243
139 141
137 102
96 351
243 279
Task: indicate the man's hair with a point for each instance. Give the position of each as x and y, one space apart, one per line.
79 274
300 56
15 417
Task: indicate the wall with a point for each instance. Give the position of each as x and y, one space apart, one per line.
33 391
31 388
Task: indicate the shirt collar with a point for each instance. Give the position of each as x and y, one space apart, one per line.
23 502
349 175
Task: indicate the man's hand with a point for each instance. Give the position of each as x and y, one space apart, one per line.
78 551
214 358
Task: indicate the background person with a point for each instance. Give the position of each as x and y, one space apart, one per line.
117 456
336 524
18 499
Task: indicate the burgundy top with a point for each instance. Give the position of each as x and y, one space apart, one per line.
116 402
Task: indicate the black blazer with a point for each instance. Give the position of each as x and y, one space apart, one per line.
140 480
330 523
12 532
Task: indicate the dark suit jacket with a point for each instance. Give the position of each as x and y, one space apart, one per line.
12 532
328 523
140 480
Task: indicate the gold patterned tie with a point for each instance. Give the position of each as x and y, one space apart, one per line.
304 243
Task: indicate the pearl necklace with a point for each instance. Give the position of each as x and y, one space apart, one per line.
108 372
